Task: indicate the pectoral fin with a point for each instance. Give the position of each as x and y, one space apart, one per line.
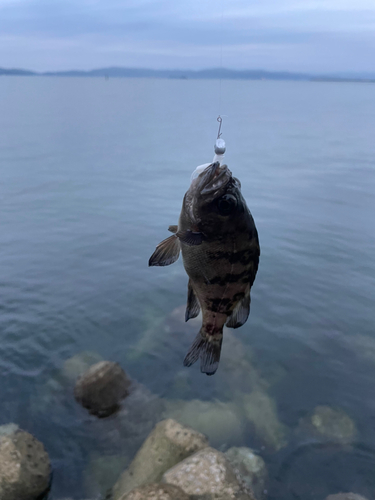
240 312
193 307
166 252
190 237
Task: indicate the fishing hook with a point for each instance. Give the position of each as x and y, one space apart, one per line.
220 120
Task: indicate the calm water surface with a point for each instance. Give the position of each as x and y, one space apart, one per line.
92 172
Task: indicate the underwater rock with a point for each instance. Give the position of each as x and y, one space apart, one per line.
237 373
7 429
156 492
78 364
101 388
102 472
219 421
261 411
251 467
208 475
345 496
168 444
25 469
329 423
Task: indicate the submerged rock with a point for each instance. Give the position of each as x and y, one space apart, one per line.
251 467
168 444
25 469
345 496
102 472
78 364
156 492
208 475
329 424
261 411
334 424
101 388
7 429
220 422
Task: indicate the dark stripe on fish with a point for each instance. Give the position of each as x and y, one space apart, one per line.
243 277
243 257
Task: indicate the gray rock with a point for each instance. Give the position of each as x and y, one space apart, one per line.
7 429
102 472
78 364
156 492
25 469
334 424
168 444
345 496
207 475
101 388
251 467
221 422
261 411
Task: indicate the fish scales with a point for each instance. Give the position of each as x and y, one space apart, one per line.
217 237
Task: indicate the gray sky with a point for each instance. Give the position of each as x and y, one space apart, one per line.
295 35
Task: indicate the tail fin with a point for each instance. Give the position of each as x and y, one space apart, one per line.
207 348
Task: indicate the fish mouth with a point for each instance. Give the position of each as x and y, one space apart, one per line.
213 180
209 185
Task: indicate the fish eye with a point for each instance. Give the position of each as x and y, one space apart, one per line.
226 204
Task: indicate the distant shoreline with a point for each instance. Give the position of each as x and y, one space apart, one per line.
212 74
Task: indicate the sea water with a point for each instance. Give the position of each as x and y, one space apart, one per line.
92 173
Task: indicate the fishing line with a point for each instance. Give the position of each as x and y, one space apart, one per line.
220 144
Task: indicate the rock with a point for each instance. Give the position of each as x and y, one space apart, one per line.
208 475
102 472
7 429
156 492
333 424
220 422
261 411
25 469
78 364
251 467
345 496
101 388
168 444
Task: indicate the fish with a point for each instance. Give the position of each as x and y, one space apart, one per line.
218 240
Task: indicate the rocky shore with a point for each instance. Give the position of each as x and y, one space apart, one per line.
176 448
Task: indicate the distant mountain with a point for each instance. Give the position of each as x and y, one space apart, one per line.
21 72
214 73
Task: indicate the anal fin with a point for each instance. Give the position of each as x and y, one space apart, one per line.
192 307
240 312
166 252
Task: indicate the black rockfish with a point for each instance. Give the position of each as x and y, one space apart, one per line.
220 249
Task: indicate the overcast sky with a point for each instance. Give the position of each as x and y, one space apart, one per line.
295 35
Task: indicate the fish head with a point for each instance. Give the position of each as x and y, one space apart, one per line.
213 201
